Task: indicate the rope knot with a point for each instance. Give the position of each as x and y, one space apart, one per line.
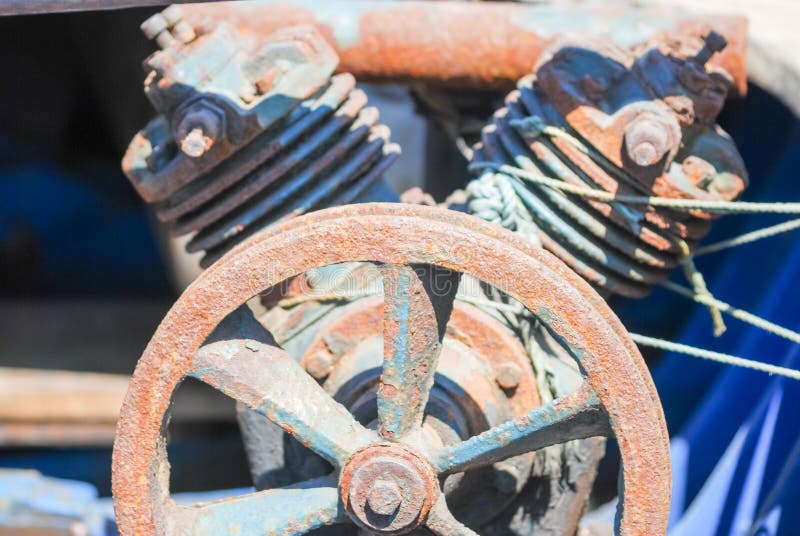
492 198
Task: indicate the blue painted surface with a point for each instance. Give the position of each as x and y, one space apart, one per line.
741 436
396 365
292 510
481 448
27 493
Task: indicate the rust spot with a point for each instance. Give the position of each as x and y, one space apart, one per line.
399 234
484 45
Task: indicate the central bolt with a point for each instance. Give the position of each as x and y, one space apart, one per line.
384 497
388 489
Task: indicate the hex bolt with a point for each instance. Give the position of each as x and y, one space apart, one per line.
647 141
154 26
172 14
319 364
199 129
384 497
184 32
196 143
157 27
714 42
508 375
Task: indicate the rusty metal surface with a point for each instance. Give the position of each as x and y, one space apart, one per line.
242 360
251 130
416 308
630 122
483 379
388 488
468 44
389 234
578 415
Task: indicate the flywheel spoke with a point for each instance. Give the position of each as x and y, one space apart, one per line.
441 521
242 360
418 301
292 510
578 415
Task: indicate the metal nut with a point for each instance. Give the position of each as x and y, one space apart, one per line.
196 143
201 126
384 497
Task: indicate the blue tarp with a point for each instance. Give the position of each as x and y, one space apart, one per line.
736 432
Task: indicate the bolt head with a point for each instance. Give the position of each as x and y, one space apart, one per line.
154 26
196 143
387 489
172 14
647 140
508 375
319 364
200 125
384 497
715 42
645 154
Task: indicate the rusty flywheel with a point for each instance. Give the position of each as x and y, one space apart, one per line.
386 481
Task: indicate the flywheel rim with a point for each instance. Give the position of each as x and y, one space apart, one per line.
396 234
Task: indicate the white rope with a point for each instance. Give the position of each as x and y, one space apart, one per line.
747 238
493 198
727 359
661 344
739 314
720 207
695 277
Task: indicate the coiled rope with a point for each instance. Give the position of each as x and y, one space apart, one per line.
717 207
493 199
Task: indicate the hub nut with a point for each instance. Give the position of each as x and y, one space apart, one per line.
388 489
384 497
